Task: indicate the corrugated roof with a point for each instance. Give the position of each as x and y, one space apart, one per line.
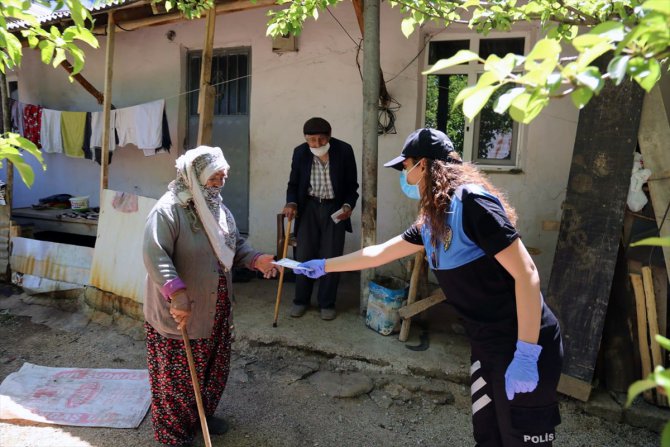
46 15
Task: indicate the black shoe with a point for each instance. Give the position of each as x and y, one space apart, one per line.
298 310
217 425
328 314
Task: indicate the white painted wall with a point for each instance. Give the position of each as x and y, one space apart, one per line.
142 73
321 79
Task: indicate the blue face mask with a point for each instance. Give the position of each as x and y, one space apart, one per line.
411 191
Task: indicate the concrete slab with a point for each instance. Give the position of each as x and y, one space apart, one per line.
346 336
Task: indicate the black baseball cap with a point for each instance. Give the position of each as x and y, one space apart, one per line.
425 143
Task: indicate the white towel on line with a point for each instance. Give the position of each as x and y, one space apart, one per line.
50 136
96 129
141 125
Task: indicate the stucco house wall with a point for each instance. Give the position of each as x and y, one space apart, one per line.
320 79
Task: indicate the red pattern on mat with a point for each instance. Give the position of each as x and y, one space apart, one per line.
174 411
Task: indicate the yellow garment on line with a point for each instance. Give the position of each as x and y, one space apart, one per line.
72 126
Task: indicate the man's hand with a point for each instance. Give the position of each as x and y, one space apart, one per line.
290 210
265 265
345 214
180 308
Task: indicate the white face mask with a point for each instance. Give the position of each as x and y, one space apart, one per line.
320 151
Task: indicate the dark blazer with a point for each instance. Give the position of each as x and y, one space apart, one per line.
343 176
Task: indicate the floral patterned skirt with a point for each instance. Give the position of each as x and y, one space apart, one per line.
174 411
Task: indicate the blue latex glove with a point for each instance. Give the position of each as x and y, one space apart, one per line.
521 375
315 268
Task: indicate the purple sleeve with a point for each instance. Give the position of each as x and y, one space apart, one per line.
253 261
171 287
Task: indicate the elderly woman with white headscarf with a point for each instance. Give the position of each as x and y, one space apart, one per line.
190 246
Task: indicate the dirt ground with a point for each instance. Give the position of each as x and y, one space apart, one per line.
275 397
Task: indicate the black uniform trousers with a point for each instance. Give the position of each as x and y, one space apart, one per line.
318 237
530 418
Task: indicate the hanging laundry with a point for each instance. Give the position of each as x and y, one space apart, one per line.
73 125
141 125
88 154
50 134
16 113
96 130
166 144
32 123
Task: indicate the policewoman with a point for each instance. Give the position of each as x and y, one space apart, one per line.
468 231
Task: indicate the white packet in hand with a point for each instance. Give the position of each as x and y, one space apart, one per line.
335 214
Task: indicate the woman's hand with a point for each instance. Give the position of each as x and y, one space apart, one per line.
264 265
180 308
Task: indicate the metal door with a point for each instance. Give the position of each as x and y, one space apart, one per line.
230 125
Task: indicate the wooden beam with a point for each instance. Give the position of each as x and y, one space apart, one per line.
652 321
6 127
588 242
416 308
107 104
653 140
370 141
574 387
206 97
641 314
83 82
411 296
132 24
384 96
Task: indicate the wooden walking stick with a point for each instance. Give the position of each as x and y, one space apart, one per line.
287 236
196 387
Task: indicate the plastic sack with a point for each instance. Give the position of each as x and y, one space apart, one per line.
386 297
637 199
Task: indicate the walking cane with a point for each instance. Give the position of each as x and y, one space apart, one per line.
196 387
287 236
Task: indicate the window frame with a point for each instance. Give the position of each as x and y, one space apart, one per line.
472 70
218 52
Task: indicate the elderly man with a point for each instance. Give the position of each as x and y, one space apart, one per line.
321 194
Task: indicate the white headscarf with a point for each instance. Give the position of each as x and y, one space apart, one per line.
194 168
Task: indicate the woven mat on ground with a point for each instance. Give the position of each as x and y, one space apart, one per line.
117 398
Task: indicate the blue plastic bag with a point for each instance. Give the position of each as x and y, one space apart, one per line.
386 297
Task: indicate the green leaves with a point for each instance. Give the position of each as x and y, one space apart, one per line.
13 148
656 241
477 100
581 96
660 378
407 26
639 387
461 57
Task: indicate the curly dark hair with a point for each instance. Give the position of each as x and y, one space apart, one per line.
442 178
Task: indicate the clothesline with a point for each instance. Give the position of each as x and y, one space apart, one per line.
60 124
79 134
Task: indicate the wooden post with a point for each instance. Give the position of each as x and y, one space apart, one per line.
641 313
370 138
653 139
652 320
207 92
411 296
588 240
384 95
107 105
6 127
